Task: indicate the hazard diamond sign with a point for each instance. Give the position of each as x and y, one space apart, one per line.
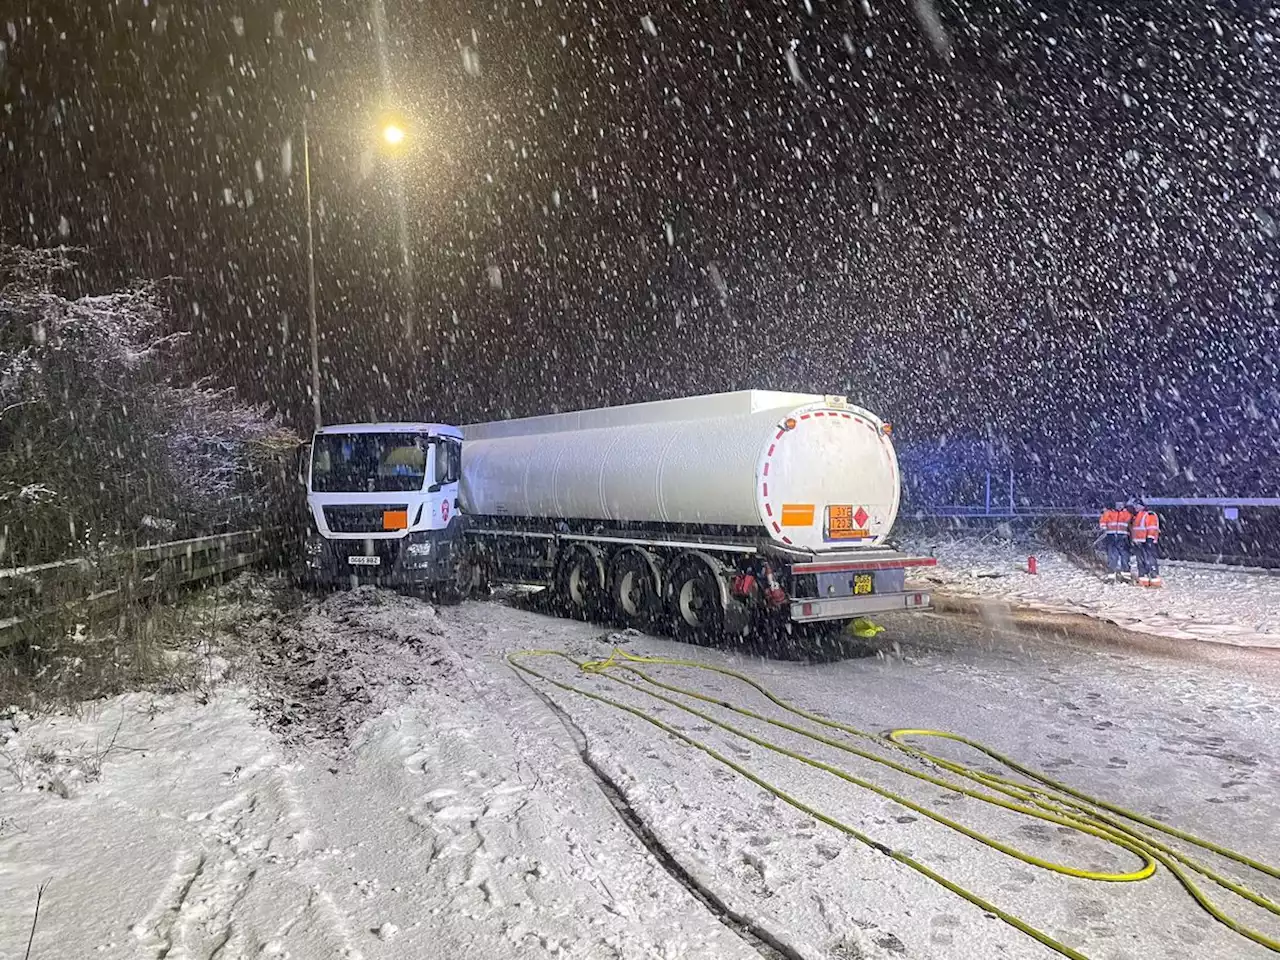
844 523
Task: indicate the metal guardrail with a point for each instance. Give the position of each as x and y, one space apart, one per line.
56 596
996 512
1212 501
999 511
1225 531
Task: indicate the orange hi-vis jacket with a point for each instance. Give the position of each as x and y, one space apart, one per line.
1146 526
1123 519
1114 521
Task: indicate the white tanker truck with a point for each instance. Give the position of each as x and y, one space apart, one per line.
710 513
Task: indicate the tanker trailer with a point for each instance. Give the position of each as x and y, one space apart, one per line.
708 513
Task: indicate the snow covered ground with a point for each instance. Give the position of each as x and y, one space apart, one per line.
1198 602
461 822
377 782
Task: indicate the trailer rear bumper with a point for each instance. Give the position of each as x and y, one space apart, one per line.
846 608
860 561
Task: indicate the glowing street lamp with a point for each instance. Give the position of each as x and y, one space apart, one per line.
393 134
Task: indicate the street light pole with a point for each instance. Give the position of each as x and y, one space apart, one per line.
394 135
311 280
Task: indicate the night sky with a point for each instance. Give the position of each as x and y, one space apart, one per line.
1044 226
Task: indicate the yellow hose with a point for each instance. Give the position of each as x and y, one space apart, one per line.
1043 799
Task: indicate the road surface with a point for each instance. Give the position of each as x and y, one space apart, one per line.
379 782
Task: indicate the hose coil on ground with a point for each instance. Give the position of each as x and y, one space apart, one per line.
1037 796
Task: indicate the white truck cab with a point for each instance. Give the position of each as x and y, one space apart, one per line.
383 501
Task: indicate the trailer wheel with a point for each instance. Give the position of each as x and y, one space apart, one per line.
580 584
635 588
695 600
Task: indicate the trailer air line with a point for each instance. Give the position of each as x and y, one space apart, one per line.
1043 798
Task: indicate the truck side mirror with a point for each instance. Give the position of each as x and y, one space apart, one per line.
302 461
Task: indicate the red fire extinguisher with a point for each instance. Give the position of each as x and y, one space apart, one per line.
1032 565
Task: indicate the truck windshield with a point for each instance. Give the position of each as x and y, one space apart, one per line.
368 462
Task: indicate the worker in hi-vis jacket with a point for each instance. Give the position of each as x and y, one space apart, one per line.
1114 524
1145 534
1123 547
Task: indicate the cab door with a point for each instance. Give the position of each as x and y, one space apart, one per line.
442 497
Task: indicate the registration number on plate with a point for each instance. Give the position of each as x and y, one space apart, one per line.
863 583
360 560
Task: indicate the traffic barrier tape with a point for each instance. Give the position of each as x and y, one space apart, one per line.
1043 799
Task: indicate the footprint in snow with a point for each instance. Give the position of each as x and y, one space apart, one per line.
942 929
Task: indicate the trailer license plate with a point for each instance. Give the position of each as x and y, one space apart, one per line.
360 560
863 583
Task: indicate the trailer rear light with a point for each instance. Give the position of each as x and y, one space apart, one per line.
743 585
807 610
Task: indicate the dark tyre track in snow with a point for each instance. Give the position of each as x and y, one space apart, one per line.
758 939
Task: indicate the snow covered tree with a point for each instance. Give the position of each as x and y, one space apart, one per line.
96 447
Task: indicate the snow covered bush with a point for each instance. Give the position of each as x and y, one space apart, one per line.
221 452
93 438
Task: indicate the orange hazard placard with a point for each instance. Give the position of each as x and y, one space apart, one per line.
797 514
843 522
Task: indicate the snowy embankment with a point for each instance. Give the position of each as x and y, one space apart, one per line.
367 789
1198 601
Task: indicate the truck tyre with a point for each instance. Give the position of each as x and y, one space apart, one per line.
465 577
580 583
635 591
695 599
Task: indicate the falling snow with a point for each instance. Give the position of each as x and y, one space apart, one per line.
1040 240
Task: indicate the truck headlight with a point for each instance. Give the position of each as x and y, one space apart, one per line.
315 545
418 548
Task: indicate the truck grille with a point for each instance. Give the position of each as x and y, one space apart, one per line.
359 518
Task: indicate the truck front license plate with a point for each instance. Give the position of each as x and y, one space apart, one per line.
863 583
360 560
